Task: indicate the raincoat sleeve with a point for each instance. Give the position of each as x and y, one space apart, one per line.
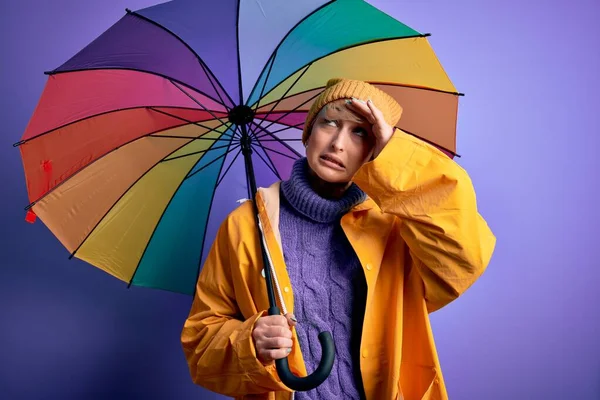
216 338
434 199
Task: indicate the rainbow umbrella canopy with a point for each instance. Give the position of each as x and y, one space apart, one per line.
140 144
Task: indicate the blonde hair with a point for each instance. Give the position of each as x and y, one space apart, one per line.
337 110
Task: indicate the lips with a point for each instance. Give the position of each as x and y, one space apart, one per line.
333 159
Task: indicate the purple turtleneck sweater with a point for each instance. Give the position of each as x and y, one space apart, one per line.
327 280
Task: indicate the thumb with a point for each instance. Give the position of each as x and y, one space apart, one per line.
291 318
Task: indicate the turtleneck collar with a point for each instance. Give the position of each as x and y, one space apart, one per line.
301 196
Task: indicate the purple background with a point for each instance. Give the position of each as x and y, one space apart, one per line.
528 133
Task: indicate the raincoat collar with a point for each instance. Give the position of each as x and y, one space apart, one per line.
270 198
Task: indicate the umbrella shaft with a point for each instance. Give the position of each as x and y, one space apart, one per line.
247 152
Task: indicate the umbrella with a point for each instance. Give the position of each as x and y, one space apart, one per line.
141 142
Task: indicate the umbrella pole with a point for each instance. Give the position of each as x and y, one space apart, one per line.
327 346
247 153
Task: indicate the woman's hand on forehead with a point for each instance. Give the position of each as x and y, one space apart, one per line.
382 131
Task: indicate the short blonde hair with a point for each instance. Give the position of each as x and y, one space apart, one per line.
341 112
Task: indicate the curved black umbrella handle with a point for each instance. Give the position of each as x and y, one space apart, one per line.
319 375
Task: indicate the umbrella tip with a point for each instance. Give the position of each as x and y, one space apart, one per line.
18 143
30 216
128 11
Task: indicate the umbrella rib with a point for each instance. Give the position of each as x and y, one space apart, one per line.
212 199
196 101
151 134
375 83
272 60
213 161
279 140
289 112
164 211
66 71
286 36
423 35
228 168
190 122
194 153
274 171
286 92
430 142
215 88
186 45
279 152
187 137
120 197
99 115
270 164
297 126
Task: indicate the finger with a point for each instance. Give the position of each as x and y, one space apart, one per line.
291 319
275 343
270 354
274 320
376 112
278 331
262 332
361 107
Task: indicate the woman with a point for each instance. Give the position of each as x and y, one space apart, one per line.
373 231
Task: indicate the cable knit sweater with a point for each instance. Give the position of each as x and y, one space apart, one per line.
327 279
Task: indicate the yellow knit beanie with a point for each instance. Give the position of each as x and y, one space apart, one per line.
339 88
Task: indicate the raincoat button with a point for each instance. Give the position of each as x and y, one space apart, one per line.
286 289
369 267
365 353
263 273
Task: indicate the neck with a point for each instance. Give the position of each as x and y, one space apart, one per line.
319 201
327 190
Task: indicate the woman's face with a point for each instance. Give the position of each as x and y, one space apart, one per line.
339 143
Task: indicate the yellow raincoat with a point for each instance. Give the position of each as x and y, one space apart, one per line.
421 243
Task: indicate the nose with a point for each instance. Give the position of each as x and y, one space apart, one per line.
338 141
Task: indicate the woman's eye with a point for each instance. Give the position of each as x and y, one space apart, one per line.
360 132
330 122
